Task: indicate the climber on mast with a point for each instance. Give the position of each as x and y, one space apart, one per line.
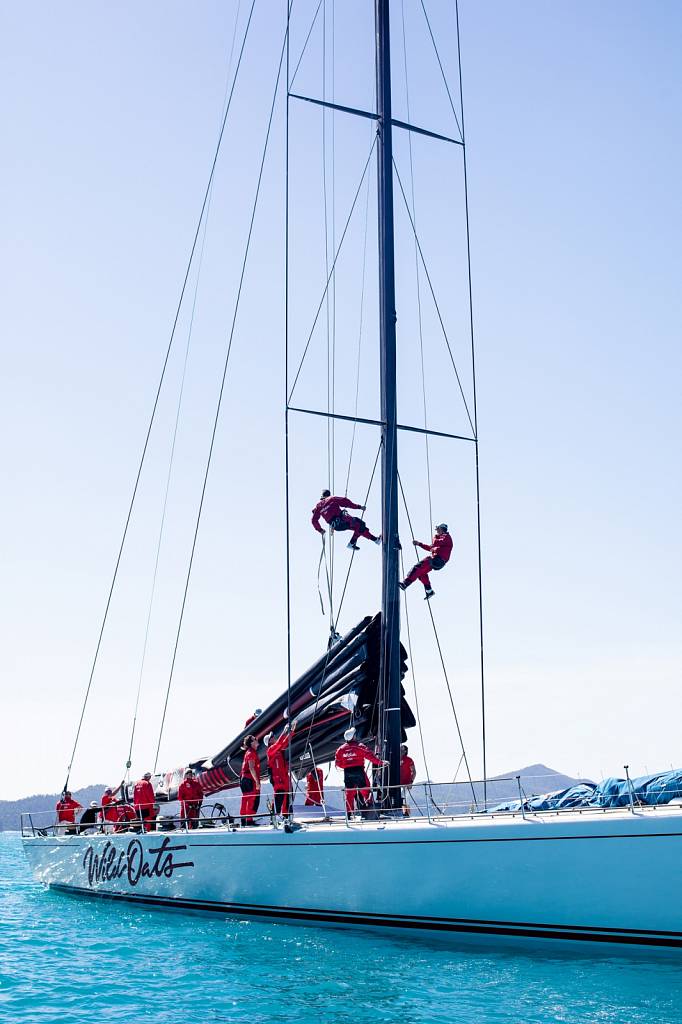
441 549
332 510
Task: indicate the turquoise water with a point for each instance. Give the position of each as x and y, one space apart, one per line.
76 960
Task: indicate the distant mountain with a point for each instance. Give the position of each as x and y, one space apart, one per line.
451 797
40 804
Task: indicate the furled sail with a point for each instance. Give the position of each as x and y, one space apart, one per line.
339 690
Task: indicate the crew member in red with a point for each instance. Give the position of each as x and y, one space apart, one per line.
66 809
126 814
279 770
441 549
109 804
144 800
408 774
190 795
351 756
314 788
253 717
331 509
249 782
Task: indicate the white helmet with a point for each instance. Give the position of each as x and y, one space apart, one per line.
267 738
349 734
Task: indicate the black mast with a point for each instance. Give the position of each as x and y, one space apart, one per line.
390 594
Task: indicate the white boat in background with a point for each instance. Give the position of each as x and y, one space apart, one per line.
607 876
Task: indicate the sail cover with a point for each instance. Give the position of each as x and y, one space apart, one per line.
339 690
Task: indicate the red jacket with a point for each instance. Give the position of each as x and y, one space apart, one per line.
66 810
314 788
407 771
277 762
354 755
143 794
330 508
110 811
251 757
189 792
440 546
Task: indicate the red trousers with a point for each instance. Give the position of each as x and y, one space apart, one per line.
249 805
281 800
420 571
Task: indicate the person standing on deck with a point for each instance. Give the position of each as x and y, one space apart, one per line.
408 774
351 756
110 808
144 799
441 549
253 717
279 770
249 782
66 810
331 509
314 788
190 795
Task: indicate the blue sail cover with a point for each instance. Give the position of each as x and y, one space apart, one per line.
647 790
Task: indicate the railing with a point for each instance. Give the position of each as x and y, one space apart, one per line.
422 801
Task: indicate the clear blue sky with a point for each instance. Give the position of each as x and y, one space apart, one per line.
110 116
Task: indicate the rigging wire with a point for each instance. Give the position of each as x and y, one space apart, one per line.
177 414
414 687
433 296
338 252
156 401
222 387
442 660
305 44
360 330
440 65
473 379
287 524
416 269
330 647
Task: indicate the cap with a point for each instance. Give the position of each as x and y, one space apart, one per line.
108 789
267 738
349 734
93 803
189 771
258 711
442 526
147 775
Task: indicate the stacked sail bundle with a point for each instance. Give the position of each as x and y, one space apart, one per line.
339 690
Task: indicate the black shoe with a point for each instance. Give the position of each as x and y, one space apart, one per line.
403 586
429 593
352 546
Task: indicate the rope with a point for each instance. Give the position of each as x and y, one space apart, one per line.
433 296
350 564
222 389
156 399
442 660
416 269
341 241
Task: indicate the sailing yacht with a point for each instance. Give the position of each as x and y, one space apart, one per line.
610 876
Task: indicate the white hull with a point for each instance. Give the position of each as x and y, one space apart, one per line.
609 877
